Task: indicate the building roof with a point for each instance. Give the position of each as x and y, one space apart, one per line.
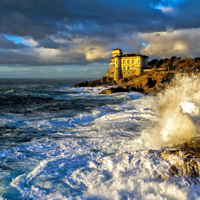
131 55
117 49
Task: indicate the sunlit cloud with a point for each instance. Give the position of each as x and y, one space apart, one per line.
182 43
167 10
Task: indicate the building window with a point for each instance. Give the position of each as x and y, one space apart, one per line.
127 61
123 61
128 67
132 61
124 68
138 61
132 67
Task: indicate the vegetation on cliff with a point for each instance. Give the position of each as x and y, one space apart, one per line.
177 64
149 83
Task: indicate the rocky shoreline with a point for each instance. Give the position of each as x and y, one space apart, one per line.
149 83
184 159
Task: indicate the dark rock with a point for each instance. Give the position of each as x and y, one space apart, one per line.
114 90
104 81
187 158
174 171
194 168
192 147
82 84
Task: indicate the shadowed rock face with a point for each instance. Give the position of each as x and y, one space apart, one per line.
104 81
114 90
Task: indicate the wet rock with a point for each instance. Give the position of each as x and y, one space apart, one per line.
192 147
194 168
104 81
82 84
174 171
114 90
184 162
163 176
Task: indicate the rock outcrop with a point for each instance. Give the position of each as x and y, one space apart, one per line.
104 81
189 65
114 90
150 83
185 160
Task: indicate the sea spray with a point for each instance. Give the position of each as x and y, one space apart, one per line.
178 113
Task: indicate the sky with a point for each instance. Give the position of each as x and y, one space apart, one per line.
75 38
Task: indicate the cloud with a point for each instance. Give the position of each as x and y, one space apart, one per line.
182 43
62 51
40 18
64 32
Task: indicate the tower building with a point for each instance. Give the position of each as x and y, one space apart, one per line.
126 65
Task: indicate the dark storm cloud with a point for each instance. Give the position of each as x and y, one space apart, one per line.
188 14
12 58
39 18
35 18
49 43
77 31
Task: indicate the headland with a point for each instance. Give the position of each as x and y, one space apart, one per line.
133 72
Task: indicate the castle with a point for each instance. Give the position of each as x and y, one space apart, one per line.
122 66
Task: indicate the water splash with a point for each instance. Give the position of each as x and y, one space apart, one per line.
178 109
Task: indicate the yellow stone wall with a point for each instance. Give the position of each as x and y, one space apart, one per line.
117 52
131 65
122 66
112 67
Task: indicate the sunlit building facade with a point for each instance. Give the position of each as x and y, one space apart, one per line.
122 66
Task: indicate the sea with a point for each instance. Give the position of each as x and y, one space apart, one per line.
58 142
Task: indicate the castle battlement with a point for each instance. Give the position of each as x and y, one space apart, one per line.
126 65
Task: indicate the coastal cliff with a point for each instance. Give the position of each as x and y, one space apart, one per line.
152 80
148 83
104 81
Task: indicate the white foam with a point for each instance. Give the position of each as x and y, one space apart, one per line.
178 112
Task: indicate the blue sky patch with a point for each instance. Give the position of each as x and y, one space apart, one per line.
16 39
144 44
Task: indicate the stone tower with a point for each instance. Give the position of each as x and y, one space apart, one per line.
118 71
117 53
126 65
